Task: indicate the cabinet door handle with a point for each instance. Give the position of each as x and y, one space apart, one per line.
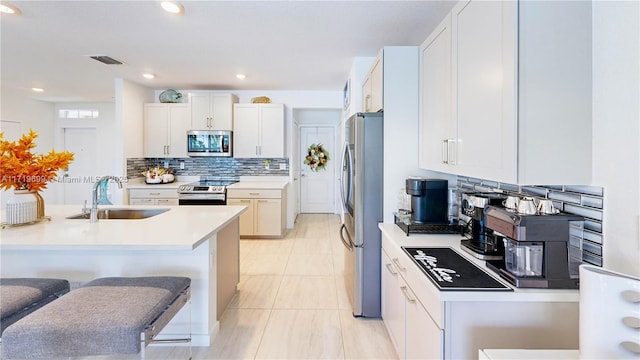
451 155
445 151
257 153
400 267
405 291
390 268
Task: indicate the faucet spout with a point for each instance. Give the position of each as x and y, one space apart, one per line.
93 217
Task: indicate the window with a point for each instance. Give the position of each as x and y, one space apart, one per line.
78 114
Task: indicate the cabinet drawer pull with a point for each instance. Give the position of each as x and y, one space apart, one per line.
254 193
405 291
390 268
400 267
245 201
154 193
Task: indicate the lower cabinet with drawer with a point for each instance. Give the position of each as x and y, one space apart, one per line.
153 197
266 211
427 323
414 334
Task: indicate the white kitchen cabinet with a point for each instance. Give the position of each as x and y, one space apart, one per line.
258 131
372 91
437 130
153 196
413 333
520 93
165 129
212 111
266 211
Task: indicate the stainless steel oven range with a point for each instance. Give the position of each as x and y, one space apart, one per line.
204 192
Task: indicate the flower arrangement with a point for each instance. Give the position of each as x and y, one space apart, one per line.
20 169
317 157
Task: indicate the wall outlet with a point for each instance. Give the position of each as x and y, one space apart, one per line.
166 164
283 166
182 165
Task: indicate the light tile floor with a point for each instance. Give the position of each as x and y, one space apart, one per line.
292 303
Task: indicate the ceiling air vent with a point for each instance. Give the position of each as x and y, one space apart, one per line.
106 59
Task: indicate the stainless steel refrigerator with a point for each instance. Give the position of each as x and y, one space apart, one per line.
361 191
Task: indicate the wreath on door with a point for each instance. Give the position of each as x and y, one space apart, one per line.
317 157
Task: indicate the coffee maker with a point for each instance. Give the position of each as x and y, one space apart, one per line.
536 249
479 241
429 200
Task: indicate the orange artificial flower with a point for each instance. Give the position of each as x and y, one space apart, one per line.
22 170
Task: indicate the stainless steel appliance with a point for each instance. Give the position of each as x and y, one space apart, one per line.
204 192
209 143
480 241
429 200
537 253
361 191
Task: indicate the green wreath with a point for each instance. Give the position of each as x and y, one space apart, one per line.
317 157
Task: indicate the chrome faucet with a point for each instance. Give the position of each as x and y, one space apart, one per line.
94 198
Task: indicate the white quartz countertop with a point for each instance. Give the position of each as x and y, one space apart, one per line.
180 228
266 185
400 238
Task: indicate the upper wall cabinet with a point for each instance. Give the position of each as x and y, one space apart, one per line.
212 111
372 87
165 129
259 131
505 92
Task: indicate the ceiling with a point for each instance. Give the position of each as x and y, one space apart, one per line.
279 45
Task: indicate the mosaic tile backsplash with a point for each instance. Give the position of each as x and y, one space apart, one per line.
586 201
212 167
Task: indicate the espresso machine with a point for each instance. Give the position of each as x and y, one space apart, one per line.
479 241
536 248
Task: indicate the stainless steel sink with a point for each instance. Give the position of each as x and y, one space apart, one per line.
122 214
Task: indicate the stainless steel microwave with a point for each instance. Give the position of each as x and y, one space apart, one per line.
209 143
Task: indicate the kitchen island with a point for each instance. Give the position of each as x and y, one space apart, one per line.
425 322
200 242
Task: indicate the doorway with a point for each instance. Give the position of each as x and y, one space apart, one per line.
317 187
80 176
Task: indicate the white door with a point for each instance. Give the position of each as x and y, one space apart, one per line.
317 187
82 170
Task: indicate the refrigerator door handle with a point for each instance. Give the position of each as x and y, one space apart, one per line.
346 242
346 168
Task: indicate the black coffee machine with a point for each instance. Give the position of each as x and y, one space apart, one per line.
537 251
429 200
480 241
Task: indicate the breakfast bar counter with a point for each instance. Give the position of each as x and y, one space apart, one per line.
199 242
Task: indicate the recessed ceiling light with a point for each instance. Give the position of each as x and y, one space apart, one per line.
149 76
241 76
9 9
37 89
172 7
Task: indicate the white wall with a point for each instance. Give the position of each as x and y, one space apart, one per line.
616 129
31 114
129 127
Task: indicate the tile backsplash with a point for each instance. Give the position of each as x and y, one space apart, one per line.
586 201
218 167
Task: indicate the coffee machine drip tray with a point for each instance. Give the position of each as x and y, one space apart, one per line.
482 251
449 271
